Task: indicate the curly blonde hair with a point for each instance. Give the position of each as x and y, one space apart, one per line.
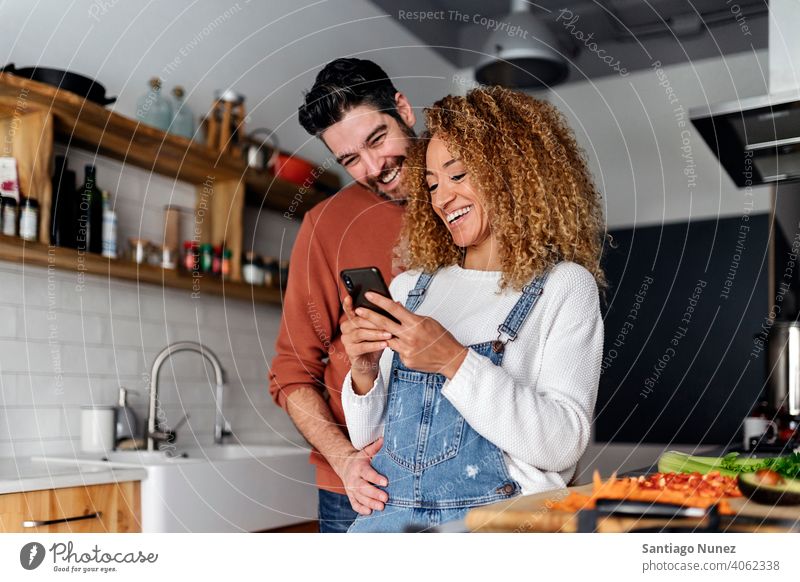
541 202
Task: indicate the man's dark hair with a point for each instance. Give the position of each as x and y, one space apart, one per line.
342 85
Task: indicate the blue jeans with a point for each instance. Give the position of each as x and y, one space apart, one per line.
335 512
405 519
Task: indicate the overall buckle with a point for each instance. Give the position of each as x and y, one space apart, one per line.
498 345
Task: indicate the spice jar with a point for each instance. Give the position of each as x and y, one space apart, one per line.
216 262
227 265
9 213
139 249
169 258
206 257
252 269
154 253
191 256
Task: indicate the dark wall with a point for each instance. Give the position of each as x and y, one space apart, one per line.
684 303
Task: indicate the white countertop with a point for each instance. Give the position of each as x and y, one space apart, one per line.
25 474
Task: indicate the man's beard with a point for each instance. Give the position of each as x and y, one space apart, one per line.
374 184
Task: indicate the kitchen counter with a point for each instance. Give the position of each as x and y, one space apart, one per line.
713 451
24 474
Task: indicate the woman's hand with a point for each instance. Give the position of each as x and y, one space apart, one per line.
364 343
421 342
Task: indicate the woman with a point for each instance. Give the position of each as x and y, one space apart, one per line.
486 388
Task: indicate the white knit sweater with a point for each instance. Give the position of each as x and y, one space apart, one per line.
537 406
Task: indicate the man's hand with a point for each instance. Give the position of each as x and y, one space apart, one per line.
357 474
314 419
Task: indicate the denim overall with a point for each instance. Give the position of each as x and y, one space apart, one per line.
437 465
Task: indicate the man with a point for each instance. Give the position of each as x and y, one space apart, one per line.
367 124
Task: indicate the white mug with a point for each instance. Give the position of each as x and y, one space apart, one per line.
97 429
756 427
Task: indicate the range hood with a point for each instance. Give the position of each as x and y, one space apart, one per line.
757 140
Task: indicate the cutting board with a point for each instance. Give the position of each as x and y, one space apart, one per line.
534 513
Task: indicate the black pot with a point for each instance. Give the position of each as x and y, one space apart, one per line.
64 80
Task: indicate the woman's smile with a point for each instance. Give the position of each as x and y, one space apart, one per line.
456 217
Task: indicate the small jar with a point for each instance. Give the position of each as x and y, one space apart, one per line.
206 257
8 209
191 256
139 250
227 263
154 255
216 262
29 219
270 271
252 269
169 258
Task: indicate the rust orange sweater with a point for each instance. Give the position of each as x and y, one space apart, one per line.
354 228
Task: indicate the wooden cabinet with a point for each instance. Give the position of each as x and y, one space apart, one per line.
109 508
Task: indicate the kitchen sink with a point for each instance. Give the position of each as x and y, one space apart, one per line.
219 488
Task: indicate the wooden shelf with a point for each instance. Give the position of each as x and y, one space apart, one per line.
33 115
263 190
93 127
16 250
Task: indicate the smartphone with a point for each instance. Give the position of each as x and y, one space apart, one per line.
359 281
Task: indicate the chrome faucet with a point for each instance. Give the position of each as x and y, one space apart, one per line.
154 434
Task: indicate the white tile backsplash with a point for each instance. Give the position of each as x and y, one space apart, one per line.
62 348
53 361
30 424
8 321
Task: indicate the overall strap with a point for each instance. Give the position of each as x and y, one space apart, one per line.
507 331
417 294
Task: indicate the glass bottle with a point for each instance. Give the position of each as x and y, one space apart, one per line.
90 213
182 119
153 108
109 240
9 212
29 219
63 220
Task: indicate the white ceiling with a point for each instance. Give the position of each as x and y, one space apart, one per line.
636 32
